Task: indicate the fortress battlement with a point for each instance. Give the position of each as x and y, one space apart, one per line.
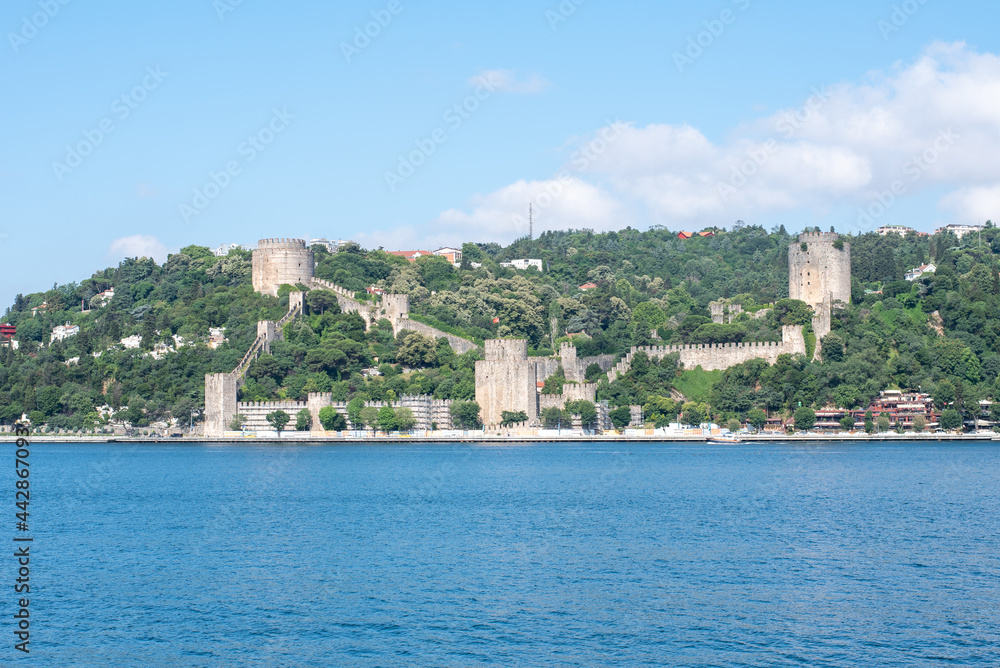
818 237
292 244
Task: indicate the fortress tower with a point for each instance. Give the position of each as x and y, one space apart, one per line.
505 381
819 273
280 261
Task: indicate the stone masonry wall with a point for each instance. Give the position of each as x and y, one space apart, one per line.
281 261
720 356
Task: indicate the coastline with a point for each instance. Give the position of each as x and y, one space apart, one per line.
479 438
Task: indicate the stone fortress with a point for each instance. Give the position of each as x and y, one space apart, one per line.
507 379
278 262
819 273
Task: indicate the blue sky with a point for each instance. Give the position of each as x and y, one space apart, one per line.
672 129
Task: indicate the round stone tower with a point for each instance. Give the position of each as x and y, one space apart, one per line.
818 271
280 261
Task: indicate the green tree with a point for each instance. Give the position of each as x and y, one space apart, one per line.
734 425
417 350
331 419
621 417
405 420
278 420
237 423
919 423
757 418
869 423
805 418
354 409
465 414
587 412
883 424
694 414
553 418
303 420
387 419
508 418
951 419
847 423
369 417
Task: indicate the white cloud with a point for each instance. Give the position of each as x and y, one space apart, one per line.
138 245
506 81
974 205
931 123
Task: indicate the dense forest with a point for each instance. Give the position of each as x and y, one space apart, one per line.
939 333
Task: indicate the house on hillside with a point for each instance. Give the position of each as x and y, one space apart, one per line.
685 235
522 264
706 233
453 255
901 230
44 306
63 332
101 299
413 255
917 272
959 230
588 286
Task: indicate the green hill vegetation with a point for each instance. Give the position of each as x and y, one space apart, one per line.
940 333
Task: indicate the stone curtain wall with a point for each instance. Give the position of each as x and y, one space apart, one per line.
720 356
458 344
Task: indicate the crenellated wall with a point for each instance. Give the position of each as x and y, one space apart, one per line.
506 381
720 356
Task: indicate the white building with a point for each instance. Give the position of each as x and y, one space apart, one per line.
523 264
131 342
331 246
960 230
901 230
917 272
216 337
223 250
453 255
63 332
101 299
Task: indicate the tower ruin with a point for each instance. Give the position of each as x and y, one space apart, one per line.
277 262
819 273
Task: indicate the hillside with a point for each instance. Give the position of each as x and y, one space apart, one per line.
649 288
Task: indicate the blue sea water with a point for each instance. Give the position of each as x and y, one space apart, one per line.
545 555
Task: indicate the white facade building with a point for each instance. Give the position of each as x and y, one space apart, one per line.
523 264
901 230
960 230
63 332
917 272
